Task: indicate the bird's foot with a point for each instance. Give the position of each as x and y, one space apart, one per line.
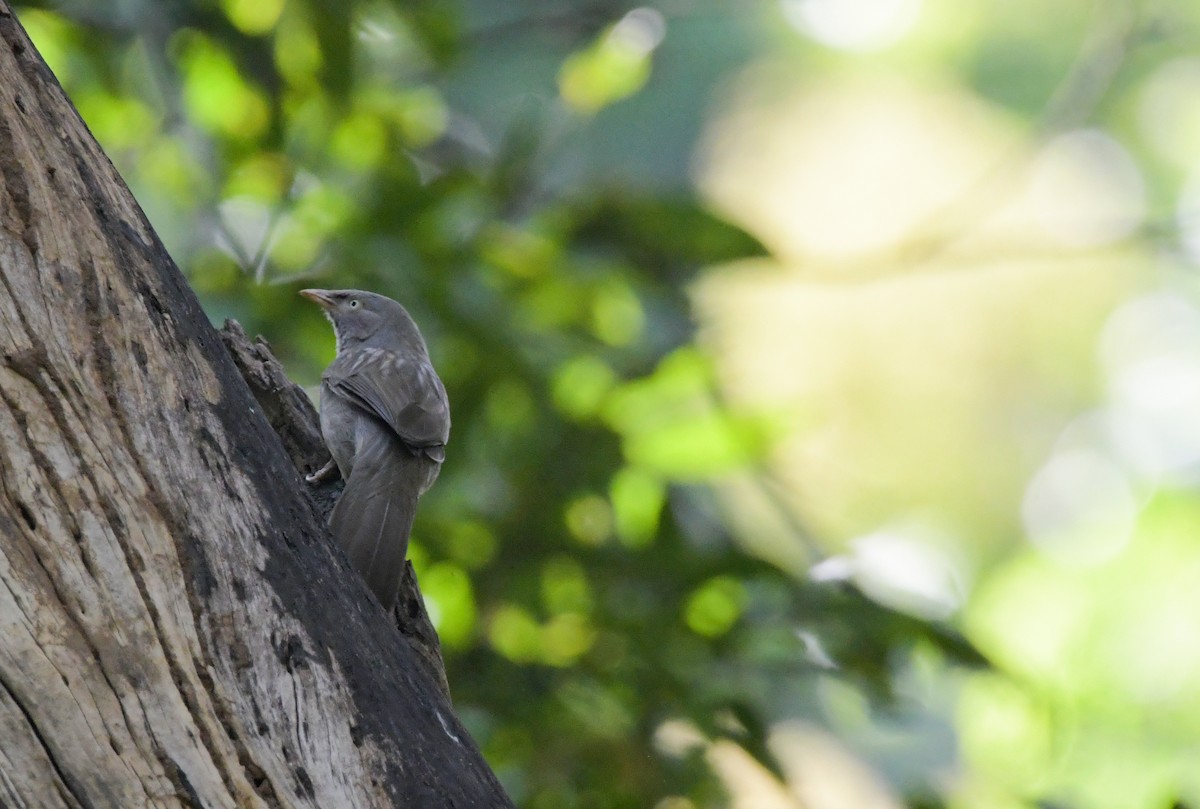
324 473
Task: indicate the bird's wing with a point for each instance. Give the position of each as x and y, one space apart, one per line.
402 390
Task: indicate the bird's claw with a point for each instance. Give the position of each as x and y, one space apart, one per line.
323 473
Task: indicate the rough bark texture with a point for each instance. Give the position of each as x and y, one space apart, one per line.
176 626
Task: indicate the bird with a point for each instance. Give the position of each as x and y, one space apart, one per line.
385 418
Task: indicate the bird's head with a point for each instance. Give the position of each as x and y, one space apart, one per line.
363 317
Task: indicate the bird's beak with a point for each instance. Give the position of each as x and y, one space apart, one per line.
320 297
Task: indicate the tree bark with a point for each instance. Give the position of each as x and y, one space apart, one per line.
176 626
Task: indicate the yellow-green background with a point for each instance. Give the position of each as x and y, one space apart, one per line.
825 373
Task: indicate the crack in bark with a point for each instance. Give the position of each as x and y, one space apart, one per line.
68 786
16 186
256 776
179 779
46 468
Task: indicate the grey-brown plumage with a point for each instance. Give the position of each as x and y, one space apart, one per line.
386 420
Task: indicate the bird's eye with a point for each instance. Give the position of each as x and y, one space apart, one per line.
354 303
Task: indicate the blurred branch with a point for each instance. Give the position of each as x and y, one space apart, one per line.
1104 51
229 240
767 483
773 491
882 267
1092 74
315 269
259 262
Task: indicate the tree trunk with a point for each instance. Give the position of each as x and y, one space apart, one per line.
176 626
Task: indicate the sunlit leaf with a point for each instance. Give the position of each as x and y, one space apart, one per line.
122 122
421 115
617 316
565 588
589 519
297 51
360 140
597 709
580 385
56 38
447 591
515 634
253 17
671 424
611 69
264 176
216 94
637 497
472 544
713 608
565 638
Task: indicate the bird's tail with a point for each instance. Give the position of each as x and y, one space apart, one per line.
373 518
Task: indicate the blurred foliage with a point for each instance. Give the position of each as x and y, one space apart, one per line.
796 349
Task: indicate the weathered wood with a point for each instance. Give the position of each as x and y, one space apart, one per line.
176 626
